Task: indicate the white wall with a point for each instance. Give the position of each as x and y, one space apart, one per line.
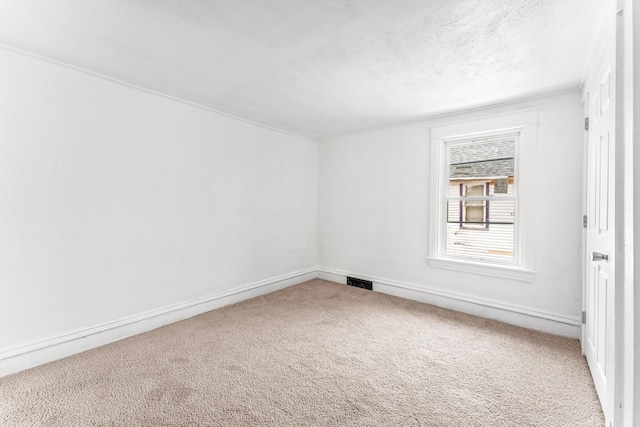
115 201
373 218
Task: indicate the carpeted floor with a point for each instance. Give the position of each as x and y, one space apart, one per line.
318 353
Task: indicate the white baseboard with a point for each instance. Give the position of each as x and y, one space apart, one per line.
32 354
521 316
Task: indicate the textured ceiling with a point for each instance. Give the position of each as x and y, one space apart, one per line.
318 69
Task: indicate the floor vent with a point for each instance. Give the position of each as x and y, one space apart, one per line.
359 283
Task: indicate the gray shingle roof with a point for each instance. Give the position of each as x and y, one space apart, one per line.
492 158
489 168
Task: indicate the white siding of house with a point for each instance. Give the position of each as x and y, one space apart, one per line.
495 243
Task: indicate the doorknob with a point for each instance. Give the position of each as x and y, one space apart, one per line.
597 256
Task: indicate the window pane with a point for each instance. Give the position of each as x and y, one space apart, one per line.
488 159
483 227
473 213
475 190
500 211
470 233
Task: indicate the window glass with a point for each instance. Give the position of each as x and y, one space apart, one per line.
481 202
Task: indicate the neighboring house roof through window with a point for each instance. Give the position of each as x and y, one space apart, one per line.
488 159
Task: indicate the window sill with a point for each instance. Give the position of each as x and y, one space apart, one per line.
495 270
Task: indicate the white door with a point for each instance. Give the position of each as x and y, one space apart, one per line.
598 342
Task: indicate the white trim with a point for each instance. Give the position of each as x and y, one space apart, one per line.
18 358
487 269
24 356
525 122
557 324
150 91
627 198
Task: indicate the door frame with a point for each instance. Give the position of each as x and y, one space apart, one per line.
627 322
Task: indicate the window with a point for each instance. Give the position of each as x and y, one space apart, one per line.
480 200
473 213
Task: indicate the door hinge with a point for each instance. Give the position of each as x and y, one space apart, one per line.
584 221
584 317
586 123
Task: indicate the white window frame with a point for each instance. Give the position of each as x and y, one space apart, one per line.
523 122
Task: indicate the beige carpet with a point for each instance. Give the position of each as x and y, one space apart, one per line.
318 353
